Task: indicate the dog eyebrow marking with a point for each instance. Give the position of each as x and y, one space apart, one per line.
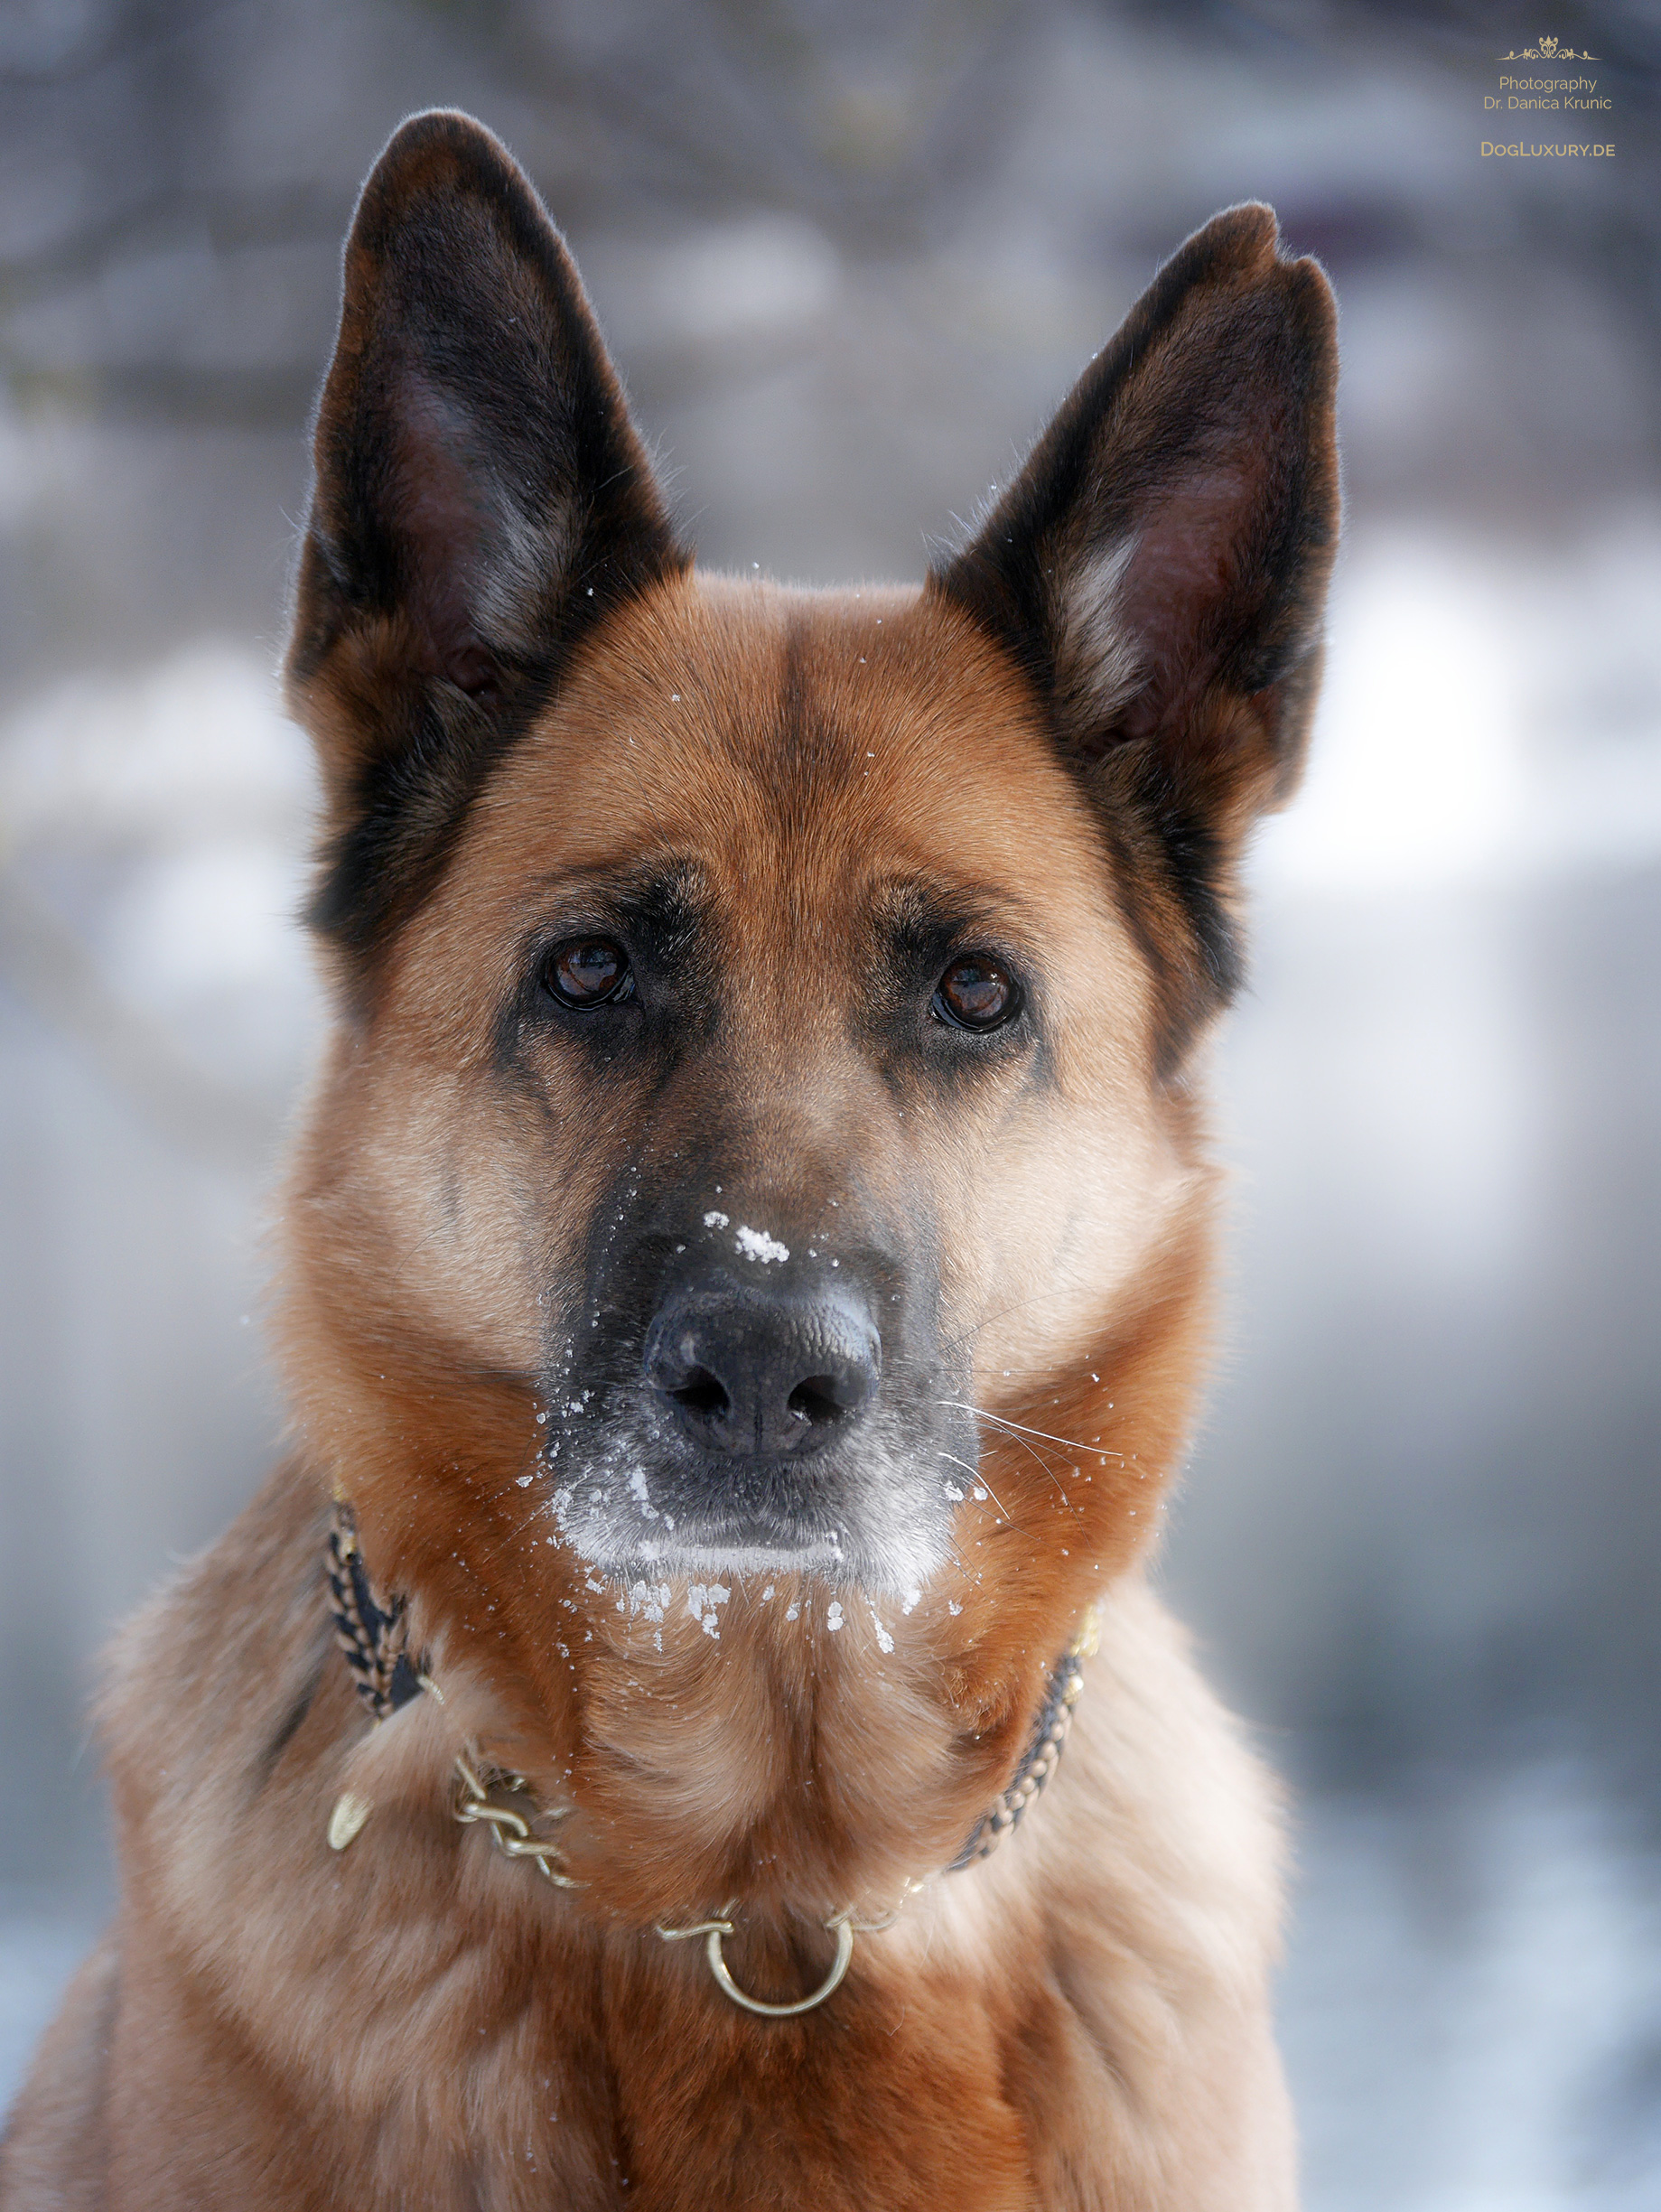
922 916
670 901
667 894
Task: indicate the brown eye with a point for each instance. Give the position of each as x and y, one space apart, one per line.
976 992
589 971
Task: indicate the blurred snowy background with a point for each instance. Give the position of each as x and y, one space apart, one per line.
850 253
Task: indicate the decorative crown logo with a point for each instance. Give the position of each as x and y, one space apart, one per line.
1548 49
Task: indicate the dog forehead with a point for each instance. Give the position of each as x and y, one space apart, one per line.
797 745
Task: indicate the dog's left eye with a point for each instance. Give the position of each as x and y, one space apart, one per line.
588 971
977 993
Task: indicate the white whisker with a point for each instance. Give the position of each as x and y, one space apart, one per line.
1019 1428
1013 1426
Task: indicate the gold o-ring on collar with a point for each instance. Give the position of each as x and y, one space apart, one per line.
714 1931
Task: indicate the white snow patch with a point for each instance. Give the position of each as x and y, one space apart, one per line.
716 1221
702 1599
757 1244
650 1598
833 1619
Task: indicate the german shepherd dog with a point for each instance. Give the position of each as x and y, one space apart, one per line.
746 1273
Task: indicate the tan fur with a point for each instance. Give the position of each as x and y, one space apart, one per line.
1082 2019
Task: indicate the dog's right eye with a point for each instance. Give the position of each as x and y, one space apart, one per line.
976 994
588 971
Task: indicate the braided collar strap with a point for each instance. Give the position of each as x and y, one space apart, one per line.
373 1631
1043 1753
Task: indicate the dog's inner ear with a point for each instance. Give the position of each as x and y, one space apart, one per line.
480 501
442 540
1141 626
1163 555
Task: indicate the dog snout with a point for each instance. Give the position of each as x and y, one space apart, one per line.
754 1373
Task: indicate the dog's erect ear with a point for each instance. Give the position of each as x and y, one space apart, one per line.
480 499
1159 565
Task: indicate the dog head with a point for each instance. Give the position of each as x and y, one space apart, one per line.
757 1152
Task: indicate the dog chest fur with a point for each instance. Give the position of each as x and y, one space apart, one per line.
1079 2022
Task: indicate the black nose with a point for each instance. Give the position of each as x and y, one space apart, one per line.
762 1371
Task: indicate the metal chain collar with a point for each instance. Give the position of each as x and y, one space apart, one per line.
373 1632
